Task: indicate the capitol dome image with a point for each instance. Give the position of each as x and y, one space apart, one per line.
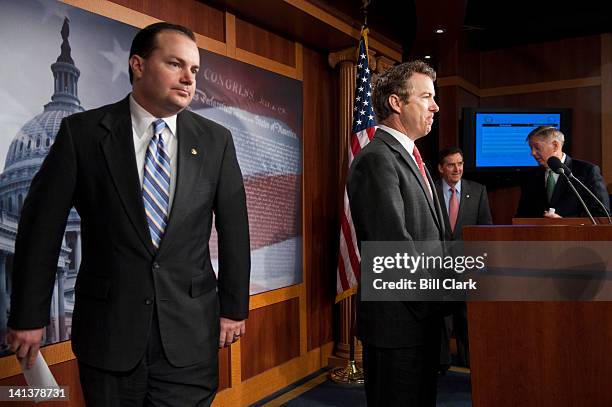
25 155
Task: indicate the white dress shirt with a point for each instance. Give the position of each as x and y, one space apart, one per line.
142 131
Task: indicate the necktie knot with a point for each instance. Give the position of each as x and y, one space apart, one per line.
158 126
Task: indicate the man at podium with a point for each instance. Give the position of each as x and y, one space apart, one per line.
547 193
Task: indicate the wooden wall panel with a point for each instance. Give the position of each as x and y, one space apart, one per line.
321 194
503 203
199 17
225 371
273 337
261 42
469 62
448 119
586 115
543 62
451 100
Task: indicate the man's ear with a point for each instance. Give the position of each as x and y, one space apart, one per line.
556 145
440 169
137 64
394 103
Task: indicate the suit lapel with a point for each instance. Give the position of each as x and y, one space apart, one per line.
118 148
395 145
190 156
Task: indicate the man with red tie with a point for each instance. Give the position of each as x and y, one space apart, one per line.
464 203
392 198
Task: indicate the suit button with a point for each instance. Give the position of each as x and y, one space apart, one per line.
155 266
148 301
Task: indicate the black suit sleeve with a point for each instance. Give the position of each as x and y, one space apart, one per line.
484 212
41 229
232 226
597 185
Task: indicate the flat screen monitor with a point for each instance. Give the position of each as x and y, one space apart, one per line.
495 139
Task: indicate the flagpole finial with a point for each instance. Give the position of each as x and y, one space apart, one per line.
364 9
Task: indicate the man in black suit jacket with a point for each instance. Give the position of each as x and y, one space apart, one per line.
545 190
469 206
149 313
392 198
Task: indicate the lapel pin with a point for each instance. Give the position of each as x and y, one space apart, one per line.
467 196
194 151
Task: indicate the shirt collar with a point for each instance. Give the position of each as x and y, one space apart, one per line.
142 120
404 140
446 187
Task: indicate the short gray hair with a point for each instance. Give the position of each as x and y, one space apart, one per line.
546 133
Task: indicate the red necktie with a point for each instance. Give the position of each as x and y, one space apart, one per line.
419 161
453 208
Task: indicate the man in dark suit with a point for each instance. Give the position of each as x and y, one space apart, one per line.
145 176
468 204
547 194
392 198
465 202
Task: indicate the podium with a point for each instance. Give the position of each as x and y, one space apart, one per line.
541 353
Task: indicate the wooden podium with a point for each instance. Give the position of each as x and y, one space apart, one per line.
540 353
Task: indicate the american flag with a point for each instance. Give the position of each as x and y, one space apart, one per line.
347 277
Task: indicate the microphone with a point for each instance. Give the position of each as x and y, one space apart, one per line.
555 164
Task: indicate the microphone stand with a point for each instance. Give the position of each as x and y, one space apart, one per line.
562 172
592 196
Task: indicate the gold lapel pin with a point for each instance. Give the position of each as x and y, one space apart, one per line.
194 151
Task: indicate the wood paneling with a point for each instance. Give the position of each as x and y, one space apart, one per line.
543 62
261 42
568 338
321 194
199 17
225 368
586 115
503 203
543 354
273 337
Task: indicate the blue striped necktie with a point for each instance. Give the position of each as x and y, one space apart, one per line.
156 184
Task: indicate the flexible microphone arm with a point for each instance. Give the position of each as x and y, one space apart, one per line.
590 193
556 164
562 172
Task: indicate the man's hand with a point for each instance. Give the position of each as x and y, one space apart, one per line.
551 214
231 331
25 343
